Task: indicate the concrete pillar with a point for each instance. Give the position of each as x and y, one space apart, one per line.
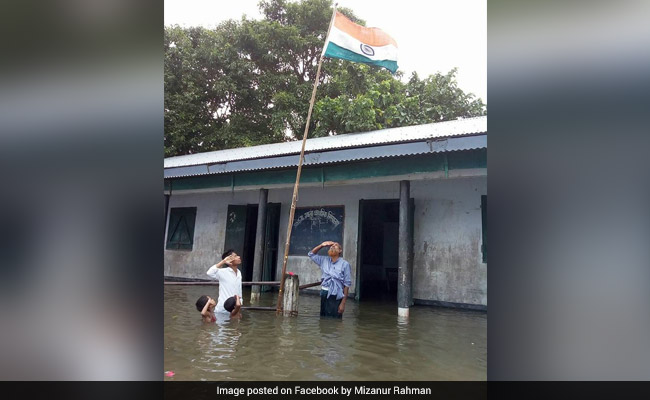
260 239
404 282
290 298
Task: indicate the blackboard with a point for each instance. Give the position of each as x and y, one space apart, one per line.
315 225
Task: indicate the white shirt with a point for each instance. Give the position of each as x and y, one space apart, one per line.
229 285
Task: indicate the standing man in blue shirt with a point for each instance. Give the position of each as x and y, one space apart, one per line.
336 279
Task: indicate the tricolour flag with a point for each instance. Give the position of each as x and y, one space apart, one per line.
353 42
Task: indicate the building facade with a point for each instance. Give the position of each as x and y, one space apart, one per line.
431 249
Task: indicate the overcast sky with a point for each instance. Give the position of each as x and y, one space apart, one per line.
432 35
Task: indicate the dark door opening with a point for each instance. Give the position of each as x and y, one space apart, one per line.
269 266
249 242
241 225
241 229
378 249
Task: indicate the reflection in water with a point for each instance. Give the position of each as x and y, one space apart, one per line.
333 346
370 343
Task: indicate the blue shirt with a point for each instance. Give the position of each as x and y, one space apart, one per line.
336 275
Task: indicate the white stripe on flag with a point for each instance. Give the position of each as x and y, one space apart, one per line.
343 39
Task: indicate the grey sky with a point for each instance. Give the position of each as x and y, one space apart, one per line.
432 35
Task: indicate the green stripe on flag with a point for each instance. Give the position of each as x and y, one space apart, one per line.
336 51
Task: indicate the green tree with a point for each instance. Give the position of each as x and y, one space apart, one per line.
249 82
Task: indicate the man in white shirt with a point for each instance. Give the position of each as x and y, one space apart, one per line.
229 277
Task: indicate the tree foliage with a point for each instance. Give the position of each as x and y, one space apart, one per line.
249 82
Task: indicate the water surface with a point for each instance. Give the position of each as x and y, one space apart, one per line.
370 343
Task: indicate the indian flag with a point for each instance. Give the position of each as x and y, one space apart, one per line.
353 42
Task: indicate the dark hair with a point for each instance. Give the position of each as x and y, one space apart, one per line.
227 253
200 303
229 304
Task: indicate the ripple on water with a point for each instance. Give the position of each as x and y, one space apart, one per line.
370 343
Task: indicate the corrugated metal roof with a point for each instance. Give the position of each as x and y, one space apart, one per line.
436 145
459 127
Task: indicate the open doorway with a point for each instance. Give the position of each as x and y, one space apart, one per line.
378 249
241 225
248 253
241 230
271 245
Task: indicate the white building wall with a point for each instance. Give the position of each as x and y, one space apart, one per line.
447 233
209 231
447 241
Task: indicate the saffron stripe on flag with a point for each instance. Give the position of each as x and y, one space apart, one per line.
369 36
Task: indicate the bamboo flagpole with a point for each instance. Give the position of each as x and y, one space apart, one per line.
302 156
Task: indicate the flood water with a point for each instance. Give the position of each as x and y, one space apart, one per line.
370 343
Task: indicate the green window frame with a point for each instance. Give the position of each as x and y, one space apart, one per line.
180 233
484 226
